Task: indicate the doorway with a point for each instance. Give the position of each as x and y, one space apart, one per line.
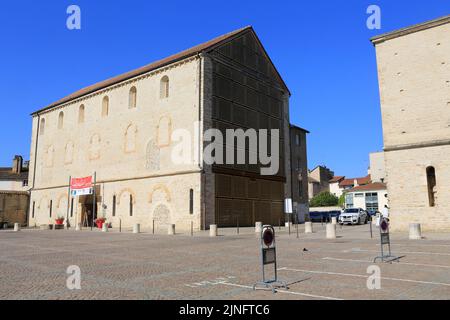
87 212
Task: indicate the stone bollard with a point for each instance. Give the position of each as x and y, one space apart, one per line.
213 230
78 227
258 227
331 231
415 231
171 231
16 227
334 221
137 228
308 227
105 227
5 226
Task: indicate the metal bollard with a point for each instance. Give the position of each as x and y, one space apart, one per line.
213 230
258 227
331 231
415 231
308 227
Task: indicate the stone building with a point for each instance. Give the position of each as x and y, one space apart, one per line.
414 79
299 170
319 180
14 193
122 129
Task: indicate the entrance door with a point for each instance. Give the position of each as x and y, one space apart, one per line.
87 212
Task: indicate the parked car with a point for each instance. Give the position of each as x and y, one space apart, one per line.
354 216
325 216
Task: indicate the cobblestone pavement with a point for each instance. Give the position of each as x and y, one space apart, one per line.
113 265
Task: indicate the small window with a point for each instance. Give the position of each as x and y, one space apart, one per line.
105 106
297 139
51 208
164 87
42 127
61 120
81 114
191 201
32 210
114 207
132 98
431 181
131 205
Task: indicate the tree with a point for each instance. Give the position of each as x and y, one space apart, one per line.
324 199
342 201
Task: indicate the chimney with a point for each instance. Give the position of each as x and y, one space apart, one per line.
17 164
356 183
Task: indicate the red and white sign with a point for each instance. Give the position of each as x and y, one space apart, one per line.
81 186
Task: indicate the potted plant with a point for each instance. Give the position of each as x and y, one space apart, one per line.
59 221
99 222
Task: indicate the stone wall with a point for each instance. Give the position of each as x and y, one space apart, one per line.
414 76
13 207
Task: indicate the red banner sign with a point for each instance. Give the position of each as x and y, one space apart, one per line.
81 183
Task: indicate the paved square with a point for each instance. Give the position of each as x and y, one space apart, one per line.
114 265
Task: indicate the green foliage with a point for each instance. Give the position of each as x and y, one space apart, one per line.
324 199
342 201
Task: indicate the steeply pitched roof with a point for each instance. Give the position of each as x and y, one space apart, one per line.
411 29
369 187
204 47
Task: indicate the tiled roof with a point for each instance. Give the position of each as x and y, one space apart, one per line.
369 187
351 182
206 46
337 179
6 174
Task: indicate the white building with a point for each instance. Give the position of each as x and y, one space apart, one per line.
370 197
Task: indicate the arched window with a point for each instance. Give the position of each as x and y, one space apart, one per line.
133 98
81 114
114 206
131 205
130 138
105 106
164 132
164 87
61 120
431 183
42 127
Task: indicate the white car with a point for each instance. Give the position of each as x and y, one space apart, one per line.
354 216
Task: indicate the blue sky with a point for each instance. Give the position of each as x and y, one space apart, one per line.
321 49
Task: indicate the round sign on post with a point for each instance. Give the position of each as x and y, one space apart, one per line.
268 237
384 226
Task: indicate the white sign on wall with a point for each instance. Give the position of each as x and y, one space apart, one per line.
288 206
